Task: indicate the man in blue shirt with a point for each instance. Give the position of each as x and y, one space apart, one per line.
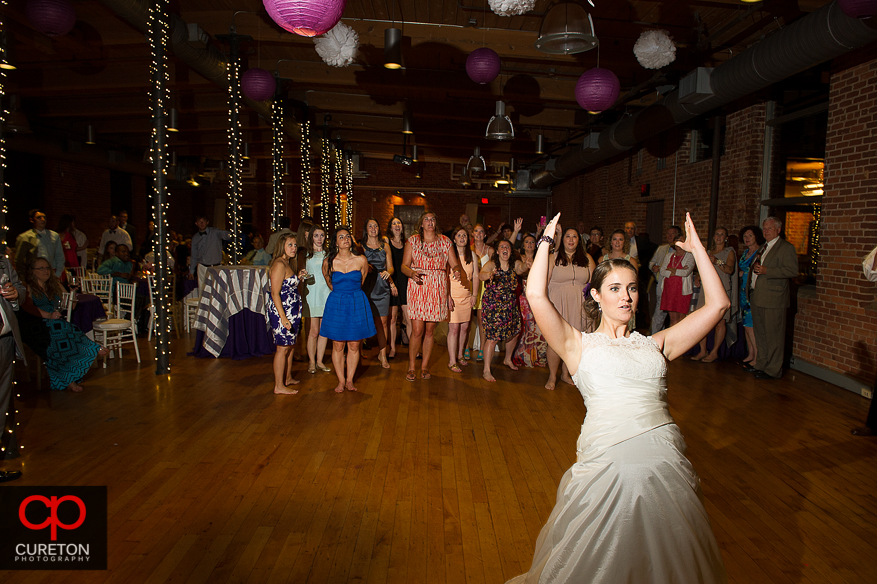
39 242
119 267
206 249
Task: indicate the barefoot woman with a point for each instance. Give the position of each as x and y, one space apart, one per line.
284 310
347 318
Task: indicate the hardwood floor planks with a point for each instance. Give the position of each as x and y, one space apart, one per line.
213 478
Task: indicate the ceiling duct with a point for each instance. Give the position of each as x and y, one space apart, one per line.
818 37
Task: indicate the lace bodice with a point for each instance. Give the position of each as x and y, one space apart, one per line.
636 356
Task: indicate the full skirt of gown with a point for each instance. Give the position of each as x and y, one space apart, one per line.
630 510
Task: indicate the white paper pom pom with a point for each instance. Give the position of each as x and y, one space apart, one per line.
654 49
511 7
338 46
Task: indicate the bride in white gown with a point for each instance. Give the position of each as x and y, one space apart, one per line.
630 510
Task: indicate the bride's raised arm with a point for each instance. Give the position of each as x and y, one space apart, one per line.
677 339
560 336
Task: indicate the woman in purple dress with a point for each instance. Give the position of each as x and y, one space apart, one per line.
284 309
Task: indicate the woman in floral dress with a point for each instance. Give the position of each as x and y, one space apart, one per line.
428 254
532 349
500 317
284 310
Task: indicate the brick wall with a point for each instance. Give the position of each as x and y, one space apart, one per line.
835 326
609 194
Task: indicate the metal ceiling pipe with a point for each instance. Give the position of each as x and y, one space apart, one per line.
208 62
818 37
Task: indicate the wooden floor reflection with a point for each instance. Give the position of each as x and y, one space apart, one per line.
213 478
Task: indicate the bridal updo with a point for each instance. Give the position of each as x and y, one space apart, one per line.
602 271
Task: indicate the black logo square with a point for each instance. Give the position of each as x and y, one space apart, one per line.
53 528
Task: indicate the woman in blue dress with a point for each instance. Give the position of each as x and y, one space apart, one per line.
752 239
315 294
347 318
67 352
283 310
379 285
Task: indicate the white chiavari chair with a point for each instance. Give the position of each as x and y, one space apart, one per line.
115 332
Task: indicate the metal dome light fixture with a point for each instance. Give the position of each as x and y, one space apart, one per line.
566 29
476 162
500 126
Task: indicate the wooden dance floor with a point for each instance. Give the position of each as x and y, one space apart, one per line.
213 478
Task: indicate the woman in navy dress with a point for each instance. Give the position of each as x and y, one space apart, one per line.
284 310
379 284
347 318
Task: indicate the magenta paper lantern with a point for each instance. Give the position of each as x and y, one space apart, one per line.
258 84
51 17
482 65
597 89
858 8
308 18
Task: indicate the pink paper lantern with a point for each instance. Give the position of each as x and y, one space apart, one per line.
51 17
483 65
308 18
597 89
258 84
858 8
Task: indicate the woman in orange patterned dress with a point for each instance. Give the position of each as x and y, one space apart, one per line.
428 254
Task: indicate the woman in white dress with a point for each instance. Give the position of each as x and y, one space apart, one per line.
630 510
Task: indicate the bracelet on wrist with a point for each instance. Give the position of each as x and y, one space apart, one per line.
545 238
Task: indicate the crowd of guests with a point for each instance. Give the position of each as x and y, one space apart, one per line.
471 277
475 281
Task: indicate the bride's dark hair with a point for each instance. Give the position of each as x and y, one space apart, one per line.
592 309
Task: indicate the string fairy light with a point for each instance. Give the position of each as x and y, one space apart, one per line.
339 185
815 244
325 178
235 187
277 153
3 114
305 168
349 220
159 35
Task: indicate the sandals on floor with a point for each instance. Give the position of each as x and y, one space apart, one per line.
466 354
424 374
455 368
480 356
410 375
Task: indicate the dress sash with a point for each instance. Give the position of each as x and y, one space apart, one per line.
643 401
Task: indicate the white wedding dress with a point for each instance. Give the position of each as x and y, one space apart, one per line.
630 510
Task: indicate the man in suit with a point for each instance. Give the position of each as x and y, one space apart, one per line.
11 346
775 263
129 229
642 248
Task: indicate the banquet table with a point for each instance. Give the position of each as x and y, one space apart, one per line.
88 309
231 314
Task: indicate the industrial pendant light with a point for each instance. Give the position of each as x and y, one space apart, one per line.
246 153
89 134
406 123
566 29
172 126
414 153
393 48
476 162
503 177
540 144
500 126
